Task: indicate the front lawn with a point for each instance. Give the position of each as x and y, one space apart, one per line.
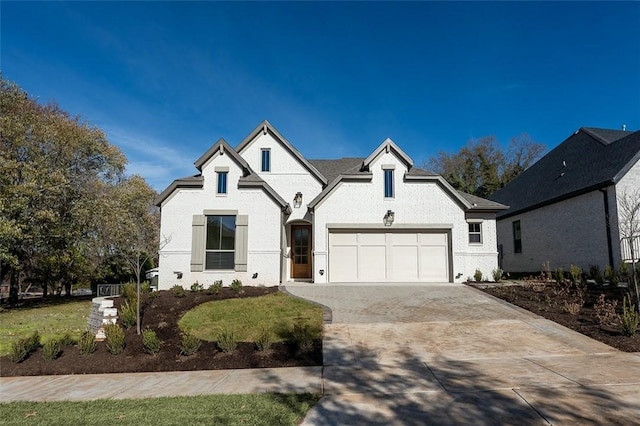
256 409
51 318
277 311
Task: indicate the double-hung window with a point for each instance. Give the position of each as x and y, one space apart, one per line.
475 233
388 183
222 182
517 237
266 160
221 242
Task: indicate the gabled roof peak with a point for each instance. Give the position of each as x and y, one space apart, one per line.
387 146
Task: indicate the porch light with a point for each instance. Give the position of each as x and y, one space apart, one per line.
297 200
389 217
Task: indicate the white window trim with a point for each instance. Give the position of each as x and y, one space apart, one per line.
226 186
469 233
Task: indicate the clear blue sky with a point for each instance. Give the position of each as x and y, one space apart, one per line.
166 80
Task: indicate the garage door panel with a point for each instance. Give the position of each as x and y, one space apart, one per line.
434 264
341 238
404 239
433 239
371 264
404 264
371 239
343 263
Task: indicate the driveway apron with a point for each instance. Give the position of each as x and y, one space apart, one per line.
450 354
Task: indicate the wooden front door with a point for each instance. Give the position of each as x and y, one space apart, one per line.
300 251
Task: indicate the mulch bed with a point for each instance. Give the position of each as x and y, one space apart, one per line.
548 303
167 309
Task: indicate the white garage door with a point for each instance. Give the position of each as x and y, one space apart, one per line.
359 256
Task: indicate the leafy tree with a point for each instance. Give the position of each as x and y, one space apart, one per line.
629 228
482 166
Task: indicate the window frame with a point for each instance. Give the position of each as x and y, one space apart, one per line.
265 153
389 183
516 227
222 180
474 232
220 244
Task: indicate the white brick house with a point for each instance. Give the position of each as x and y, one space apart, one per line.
264 214
565 208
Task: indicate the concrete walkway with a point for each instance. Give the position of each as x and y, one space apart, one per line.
449 354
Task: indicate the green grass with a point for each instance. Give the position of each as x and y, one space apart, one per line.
247 317
255 409
52 320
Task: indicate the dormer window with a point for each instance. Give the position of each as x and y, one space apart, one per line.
389 190
266 160
221 180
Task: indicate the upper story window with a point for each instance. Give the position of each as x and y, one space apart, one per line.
266 160
475 233
389 190
222 182
221 242
517 237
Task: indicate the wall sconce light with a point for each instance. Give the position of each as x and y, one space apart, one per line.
255 275
297 200
178 274
389 218
321 271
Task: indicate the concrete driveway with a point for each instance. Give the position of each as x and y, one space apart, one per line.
449 354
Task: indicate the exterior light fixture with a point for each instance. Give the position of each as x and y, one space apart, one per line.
389 217
297 200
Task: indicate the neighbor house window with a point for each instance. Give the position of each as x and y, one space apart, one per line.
517 237
388 183
221 242
266 160
222 182
475 233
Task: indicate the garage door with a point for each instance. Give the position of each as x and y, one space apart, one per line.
360 256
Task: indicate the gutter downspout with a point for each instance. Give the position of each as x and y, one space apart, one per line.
283 249
608 225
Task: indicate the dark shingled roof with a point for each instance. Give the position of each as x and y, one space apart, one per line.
587 160
331 169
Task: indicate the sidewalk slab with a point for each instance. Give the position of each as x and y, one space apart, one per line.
587 370
379 380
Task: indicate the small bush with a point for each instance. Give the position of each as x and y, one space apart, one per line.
178 291
67 340
236 286
51 350
150 342
264 339
19 350
630 318
189 345
115 338
128 315
596 274
196 287
87 343
558 275
33 341
302 334
154 295
576 273
145 287
129 292
605 311
497 274
215 287
227 341
477 276
623 272
573 307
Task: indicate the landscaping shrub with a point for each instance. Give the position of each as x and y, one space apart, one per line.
190 344
227 341
51 350
87 343
154 295
150 342
236 285
33 341
623 272
19 350
497 274
264 339
595 274
302 334
630 318
178 291
128 315
67 340
115 338
129 292
196 287
215 287
605 311
576 273
558 275
573 307
477 276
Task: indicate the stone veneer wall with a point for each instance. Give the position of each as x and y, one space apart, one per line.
102 313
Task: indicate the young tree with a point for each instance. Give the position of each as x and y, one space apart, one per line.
482 167
629 228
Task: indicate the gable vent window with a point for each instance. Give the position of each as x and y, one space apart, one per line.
388 183
266 160
222 182
221 242
517 237
475 233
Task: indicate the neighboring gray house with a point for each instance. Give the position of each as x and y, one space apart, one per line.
564 208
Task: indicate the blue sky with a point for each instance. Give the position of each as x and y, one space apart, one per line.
165 80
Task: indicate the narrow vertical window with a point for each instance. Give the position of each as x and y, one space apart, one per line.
517 237
388 183
266 160
222 182
475 233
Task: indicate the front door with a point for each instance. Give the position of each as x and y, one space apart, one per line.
300 251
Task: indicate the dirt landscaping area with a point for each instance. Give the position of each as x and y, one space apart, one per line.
551 300
167 309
